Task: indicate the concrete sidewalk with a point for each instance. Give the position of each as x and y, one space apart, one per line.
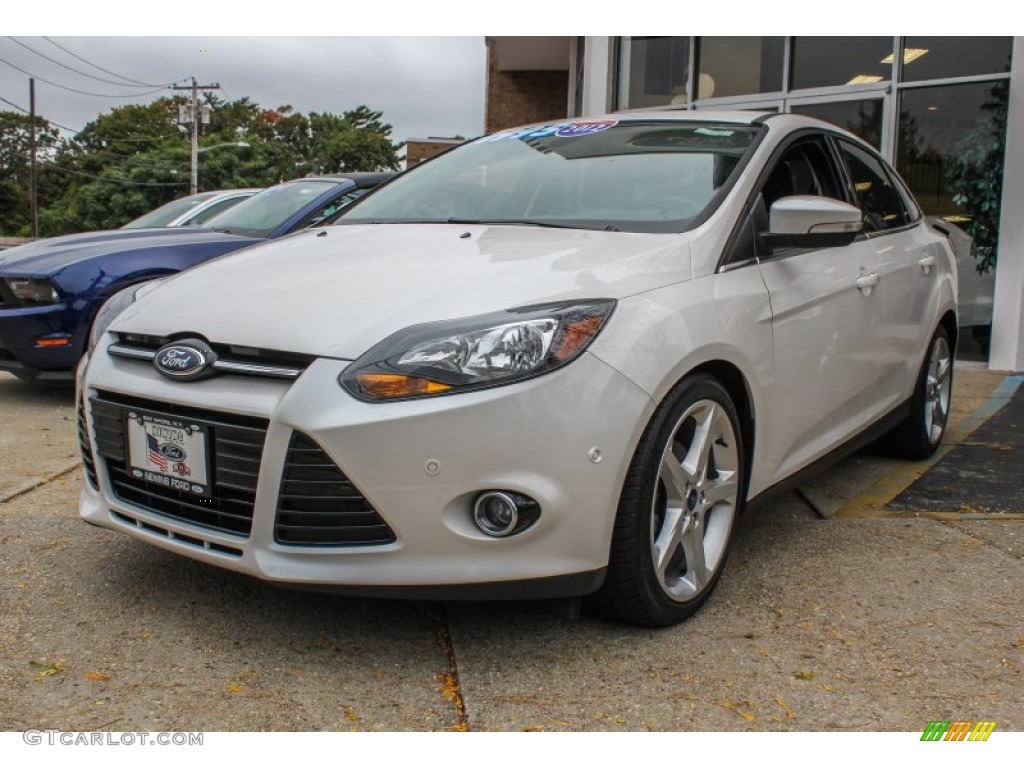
836 612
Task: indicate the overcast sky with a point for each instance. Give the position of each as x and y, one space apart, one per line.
425 86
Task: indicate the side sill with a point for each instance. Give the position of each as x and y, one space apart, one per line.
862 438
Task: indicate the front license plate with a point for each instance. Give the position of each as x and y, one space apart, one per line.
168 451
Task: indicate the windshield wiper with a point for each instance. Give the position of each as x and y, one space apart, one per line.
489 222
538 223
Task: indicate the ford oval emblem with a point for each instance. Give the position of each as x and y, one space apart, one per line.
173 452
184 360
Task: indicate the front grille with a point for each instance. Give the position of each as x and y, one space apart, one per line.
180 538
85 447
231 358
235 445
319 506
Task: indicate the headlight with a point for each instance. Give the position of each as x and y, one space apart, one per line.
32 291
113 307
486 351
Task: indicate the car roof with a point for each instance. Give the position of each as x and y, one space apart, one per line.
739 116
240 190
786 121
362 179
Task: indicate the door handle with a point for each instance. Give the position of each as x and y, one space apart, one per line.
866 282
927 263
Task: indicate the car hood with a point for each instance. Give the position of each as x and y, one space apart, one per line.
338 291
45 257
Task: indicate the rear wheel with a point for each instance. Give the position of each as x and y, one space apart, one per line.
678 508
919 435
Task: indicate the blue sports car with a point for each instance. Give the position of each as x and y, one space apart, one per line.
50 290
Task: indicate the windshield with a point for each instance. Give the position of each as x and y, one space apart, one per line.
606 174
265 211
165 214
200 218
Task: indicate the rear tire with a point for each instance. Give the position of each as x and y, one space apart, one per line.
678 509
918 436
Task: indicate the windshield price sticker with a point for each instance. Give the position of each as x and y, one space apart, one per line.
561 130
167 451
585 129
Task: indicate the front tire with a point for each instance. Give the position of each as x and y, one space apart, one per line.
678 510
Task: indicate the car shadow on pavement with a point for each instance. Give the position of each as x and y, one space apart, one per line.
35 393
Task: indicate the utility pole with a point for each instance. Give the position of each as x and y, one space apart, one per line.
195 88
33 213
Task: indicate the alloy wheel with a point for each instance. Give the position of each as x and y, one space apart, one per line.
938 386
696 500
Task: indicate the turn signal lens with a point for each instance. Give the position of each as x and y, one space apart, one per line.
576 336
60 341
390 385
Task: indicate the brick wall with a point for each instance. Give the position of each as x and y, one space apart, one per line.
417 151
517 98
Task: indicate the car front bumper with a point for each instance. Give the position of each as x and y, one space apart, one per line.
564 439
22 331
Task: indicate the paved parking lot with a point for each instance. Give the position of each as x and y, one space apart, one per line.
826 618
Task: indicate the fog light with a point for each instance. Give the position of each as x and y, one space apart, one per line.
500 513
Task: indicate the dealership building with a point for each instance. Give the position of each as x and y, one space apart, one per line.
947 112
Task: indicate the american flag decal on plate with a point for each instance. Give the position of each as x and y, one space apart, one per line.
154 453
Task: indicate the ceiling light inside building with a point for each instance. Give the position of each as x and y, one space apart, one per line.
865 79
909 55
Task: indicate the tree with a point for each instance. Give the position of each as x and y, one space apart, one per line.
134 158
975 175
14 167
355 141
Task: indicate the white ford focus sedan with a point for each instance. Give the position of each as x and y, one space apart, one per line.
556 361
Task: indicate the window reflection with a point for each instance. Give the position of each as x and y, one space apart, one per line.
824 61
862 118
950 152
929 58
734 66
652 71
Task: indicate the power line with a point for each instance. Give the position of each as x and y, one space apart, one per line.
118 181
136 140
104 150
97 66
78 71
20 109
75 90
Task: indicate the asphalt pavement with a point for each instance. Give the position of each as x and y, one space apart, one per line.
838 611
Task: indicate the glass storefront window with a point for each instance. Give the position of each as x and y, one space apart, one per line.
861 117
736 66
930 58
950 153
652 71
829 61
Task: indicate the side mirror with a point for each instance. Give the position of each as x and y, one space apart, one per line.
806 221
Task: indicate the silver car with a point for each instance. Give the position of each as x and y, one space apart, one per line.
559 360
191 211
